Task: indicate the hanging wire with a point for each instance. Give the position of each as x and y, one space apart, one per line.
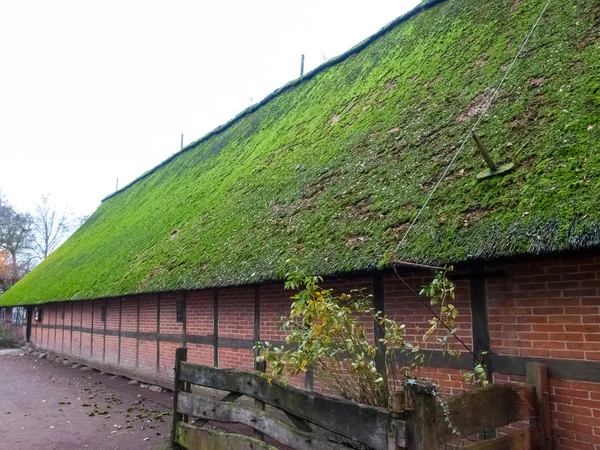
474 128
445 172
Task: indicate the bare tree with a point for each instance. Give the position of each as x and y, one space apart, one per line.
50 227
15 242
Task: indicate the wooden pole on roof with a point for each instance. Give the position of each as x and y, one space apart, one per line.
182 140
302 65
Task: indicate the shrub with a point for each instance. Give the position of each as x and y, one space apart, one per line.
327 332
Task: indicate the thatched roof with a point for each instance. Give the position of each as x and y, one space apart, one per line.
331 168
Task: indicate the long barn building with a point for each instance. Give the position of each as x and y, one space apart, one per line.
330 170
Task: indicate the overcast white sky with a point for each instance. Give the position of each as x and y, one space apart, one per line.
95 90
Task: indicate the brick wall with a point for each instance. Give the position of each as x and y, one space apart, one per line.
544 309
199 323
551 309
236 321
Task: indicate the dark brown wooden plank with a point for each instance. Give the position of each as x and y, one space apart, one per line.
362 423
479 319
194 438
216 328
521 440
483 409
379 330
158 333
184 326
228 412
537 375
569 369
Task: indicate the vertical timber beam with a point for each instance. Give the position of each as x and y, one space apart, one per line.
479 319
80 328
48 326
158 332
137 337
184 307
71 335
256 323
216 328
480 328
92 331
104 336
55 308
378 330
120 322
62 343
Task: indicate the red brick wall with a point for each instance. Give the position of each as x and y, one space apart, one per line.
199 318
148 324
129 308
169 325
98 334
76 344
547 309
551 309
236 320
86 337
111 344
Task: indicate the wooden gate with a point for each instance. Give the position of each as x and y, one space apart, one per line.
305 420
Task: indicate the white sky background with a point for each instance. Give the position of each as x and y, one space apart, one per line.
92 91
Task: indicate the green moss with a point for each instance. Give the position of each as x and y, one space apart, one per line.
331 169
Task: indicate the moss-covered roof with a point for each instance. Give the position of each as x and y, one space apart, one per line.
331 168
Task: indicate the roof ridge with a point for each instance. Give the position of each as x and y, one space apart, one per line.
424 6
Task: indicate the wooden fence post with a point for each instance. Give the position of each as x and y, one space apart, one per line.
396 432
421 431
537 375
178 386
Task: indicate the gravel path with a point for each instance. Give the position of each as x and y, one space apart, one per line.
45 404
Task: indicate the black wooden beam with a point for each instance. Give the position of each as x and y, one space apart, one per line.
379 330
71 335
120 325
137 337
158 332
104 331
479 320
92 328
62 344
256 322
216 328
55 307
80 328
184 306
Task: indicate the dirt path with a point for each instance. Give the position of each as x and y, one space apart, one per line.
44 404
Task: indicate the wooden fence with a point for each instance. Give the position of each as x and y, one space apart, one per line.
306 420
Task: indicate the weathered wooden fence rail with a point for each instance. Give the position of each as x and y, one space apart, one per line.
310 421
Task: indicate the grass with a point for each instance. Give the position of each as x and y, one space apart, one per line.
332 170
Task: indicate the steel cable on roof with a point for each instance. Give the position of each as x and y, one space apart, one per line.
445 172
474 128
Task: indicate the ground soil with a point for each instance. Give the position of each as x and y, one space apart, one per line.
32 415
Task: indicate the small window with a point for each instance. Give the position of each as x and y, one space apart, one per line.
179 311
39 314
103 313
